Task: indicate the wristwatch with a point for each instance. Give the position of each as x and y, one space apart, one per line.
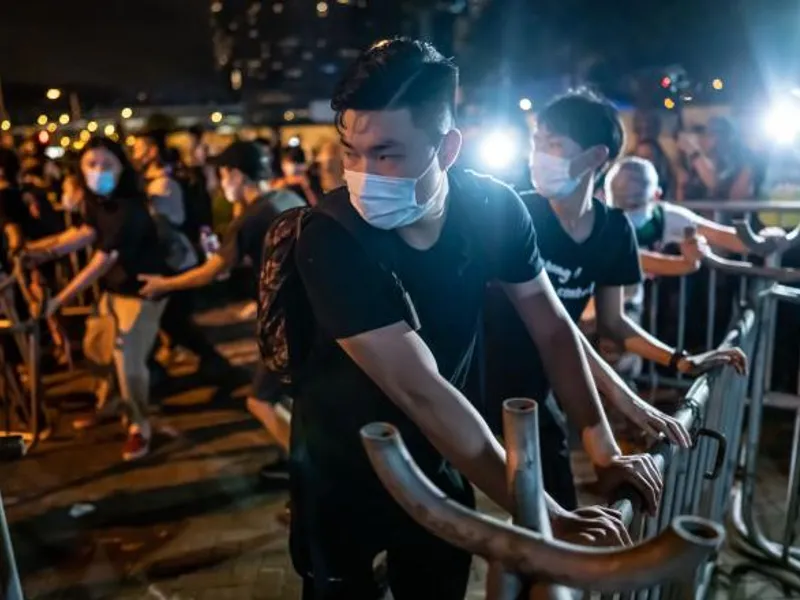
677 357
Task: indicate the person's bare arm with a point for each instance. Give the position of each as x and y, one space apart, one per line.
554 334
14 237
98 266
157 285
402 365
665 265
615 324
61 244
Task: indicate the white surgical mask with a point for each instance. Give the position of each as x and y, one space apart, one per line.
391 202
101 182
550 176
639 216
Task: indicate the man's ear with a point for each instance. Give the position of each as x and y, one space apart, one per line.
450 149
590 159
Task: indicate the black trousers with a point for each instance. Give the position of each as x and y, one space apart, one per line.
337 531
178 324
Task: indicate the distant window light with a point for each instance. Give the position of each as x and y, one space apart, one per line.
321 43
362 4
216 7
233 26
288 115
255 8
277 8
308 55
289 42
329 69
277 65
322 9
294 73
236 79
253 34
343 1
349 52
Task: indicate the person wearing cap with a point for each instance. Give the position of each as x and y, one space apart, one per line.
244 176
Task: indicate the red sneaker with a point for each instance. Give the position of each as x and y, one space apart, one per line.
136 446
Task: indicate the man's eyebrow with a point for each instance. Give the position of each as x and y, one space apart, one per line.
382 145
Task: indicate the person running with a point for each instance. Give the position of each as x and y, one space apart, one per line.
244 173
396 347
590 251
119 225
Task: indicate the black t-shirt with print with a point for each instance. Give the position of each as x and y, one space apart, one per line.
487 235
244 238
124 225
31 212
609 257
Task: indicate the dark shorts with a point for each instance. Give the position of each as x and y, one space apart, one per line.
339 529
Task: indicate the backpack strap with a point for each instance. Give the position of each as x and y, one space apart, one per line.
378 244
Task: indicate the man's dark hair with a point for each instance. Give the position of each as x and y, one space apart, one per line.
158 138
196 131
401 73
586 118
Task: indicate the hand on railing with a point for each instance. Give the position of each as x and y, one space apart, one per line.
694 246
697 364
653 422
597 526
637 470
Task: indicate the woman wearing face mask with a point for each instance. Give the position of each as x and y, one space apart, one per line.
244 176
126 243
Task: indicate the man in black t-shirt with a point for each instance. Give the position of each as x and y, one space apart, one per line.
244 171
445 234
589 251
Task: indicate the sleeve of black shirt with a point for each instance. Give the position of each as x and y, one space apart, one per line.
349 293
623 259
517 253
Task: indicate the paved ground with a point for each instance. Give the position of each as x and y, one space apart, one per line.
190 521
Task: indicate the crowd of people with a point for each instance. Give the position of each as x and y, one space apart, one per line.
397 287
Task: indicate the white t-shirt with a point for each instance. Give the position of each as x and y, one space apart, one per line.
676 219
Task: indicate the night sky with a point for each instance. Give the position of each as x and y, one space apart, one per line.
131 45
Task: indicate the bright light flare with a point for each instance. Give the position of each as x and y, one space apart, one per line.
499 149
525 104
782 123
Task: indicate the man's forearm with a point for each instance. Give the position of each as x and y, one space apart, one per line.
608 381
569 372
96 268
637 340
197 277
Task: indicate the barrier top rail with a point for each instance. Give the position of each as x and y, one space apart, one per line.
744 268
755 205
764 246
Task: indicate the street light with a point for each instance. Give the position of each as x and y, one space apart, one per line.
126 113
718 84
65 141
92 126
525 104
51 127
5 125
216 117
63 119
53 94
42 120
109 130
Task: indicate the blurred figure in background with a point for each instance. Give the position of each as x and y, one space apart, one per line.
715 163
328 172
647 127
125 238
167 203
295 174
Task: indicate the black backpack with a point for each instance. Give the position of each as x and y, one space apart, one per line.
285 325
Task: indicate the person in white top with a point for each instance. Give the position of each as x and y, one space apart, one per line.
632 185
